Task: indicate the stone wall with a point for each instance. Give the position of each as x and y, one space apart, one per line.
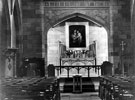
32 29
4 35
40 16
121 32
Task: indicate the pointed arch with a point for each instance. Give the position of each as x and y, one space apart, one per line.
81 16
17 15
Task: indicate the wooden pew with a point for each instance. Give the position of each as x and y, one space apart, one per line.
116 88
31 89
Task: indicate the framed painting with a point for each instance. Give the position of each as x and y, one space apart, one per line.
77 34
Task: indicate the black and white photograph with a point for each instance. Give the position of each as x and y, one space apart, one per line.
67 49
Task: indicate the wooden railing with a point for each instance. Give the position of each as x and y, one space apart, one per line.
95 68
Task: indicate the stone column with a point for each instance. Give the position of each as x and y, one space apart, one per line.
11 4
10 52
44 37
1 5
13 32
0 91
110 35
133 34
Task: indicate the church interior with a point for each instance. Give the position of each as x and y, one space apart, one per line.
67 49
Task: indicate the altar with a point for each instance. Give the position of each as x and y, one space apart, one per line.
83 66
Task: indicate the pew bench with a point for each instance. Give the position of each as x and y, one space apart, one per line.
31 89
114 88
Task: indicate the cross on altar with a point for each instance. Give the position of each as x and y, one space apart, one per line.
122 45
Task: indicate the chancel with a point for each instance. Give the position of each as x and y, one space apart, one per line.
67 49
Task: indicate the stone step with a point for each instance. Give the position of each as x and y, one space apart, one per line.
80 96
88 84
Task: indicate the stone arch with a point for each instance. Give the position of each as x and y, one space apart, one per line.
60 20
99 23
54 17
17 16
6 12
69 17
50 22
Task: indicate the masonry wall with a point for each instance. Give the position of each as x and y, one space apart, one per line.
122 32
33 29
32 33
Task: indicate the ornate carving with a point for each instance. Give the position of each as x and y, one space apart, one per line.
72 61
77 4
10 52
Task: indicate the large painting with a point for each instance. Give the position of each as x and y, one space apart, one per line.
77 33
77 36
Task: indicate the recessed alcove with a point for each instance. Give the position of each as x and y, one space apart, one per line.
57 35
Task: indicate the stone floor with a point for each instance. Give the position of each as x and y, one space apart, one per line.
80 96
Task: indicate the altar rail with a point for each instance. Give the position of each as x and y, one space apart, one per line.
96 70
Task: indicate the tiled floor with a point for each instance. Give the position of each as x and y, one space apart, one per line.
80 96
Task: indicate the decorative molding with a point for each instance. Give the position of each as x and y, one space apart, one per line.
71 61
10 52
76 4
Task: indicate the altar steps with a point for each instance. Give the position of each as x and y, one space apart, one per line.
80 96
89 84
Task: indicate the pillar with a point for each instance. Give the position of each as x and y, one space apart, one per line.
110 35
1 6
10 52
13 32
133 35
